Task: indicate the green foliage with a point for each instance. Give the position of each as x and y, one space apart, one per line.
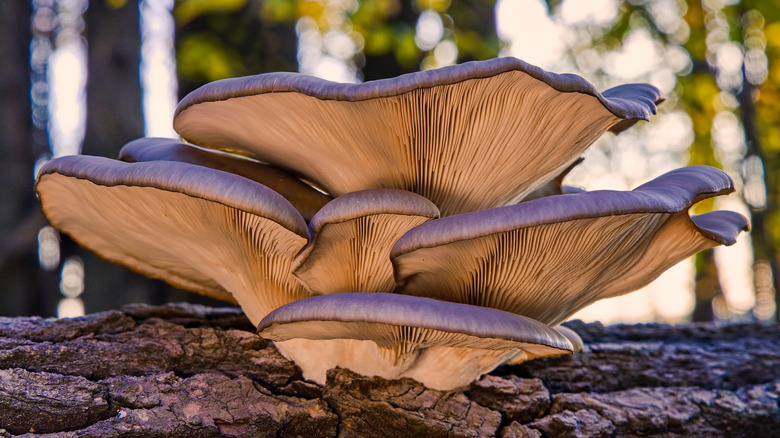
225 38
187 10
207 58
697 40
405 49
115 4
474 29
379 40
279 11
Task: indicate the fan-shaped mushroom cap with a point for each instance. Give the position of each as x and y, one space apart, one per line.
467 137
199 229
547 258
303 197
351 240
441 344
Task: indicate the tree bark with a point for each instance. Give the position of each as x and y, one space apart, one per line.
192 371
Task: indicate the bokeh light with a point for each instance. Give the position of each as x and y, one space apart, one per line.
158 67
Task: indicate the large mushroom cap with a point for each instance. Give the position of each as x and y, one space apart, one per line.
199 229
303 197
351 240
441 344
549 257
467 137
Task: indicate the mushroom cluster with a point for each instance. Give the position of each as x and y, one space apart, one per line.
408 227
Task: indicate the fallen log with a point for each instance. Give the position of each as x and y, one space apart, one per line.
190 371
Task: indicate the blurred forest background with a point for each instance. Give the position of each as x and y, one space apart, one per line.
87 76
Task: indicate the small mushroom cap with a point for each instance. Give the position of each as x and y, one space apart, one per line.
413 337
197 228
351 240
303 197
547 258
467 137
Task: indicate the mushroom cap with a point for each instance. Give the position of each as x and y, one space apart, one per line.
467 137
413 337
351 240
197 228
549 257
302 196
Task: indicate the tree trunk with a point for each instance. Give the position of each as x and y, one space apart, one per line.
706 286
23 285
192 371
761 236
114 88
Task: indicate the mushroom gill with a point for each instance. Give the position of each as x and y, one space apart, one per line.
467 137
199 229
547 258
352 237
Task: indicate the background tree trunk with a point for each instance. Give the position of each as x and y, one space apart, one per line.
23 285
113 119
192 371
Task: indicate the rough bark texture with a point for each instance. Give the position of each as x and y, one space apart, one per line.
191 371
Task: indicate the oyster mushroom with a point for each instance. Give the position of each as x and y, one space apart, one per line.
467 137
440 344
352 237
549 257
396 153
197 228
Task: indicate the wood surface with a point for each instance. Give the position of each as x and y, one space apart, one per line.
189 371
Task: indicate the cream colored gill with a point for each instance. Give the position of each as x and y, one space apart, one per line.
190 242
466 146
548 272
